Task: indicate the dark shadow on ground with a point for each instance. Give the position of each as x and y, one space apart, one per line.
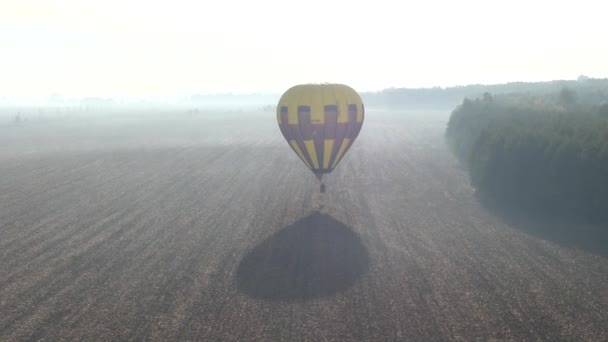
317 256
566 230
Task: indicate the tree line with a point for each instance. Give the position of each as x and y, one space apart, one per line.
545 153
589 90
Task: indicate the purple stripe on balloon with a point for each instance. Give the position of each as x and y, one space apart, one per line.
298 138
304 122
341 130
318 138
331 121
283 125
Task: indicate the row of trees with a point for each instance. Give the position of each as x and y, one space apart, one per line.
544 153
589 90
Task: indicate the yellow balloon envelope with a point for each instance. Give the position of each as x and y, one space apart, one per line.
320 122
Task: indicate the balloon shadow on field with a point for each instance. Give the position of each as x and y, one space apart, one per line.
317 256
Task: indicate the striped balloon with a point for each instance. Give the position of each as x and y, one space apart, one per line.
320 122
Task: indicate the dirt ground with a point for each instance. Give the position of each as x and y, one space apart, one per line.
209 228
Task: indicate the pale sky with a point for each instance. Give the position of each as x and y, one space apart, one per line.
153 48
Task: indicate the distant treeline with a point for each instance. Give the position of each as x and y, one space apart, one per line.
544 153
448 98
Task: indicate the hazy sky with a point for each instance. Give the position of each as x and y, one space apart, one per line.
123 48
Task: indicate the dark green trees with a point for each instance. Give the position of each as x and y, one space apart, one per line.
546 153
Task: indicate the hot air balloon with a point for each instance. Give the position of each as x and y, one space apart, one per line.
320 122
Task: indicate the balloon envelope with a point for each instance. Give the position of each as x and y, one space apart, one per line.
320 122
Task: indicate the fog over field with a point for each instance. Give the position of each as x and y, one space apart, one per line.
180 226
98 129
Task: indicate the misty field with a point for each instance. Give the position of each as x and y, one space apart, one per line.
207 227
